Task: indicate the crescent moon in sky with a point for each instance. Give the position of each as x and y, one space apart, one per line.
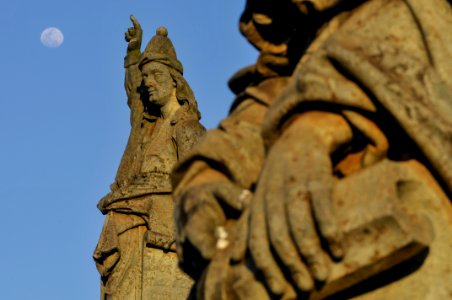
52 37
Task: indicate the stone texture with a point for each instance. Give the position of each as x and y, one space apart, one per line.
164 279
341 133
381 224
427 279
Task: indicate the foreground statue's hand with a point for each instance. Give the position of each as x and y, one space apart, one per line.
202 212
134 35
292 211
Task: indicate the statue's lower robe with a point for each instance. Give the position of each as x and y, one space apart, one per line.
142 271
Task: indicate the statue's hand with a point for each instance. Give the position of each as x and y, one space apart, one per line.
134 35
292 211
201 215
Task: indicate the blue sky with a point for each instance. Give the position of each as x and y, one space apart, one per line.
64 123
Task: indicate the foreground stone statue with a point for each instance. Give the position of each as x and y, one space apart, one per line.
136 251
332 175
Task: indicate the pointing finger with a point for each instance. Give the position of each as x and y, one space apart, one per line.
135 22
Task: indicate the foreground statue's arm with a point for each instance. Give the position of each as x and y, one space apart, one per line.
210 179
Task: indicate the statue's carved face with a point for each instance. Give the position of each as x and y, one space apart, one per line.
158 83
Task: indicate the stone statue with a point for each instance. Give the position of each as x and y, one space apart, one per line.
332 174
136 251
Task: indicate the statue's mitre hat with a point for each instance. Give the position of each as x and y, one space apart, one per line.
160 49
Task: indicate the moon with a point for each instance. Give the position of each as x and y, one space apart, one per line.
52 37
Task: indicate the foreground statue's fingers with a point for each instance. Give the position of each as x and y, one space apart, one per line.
231 195
241 236
245 284
201 228
320 191
280 235
202 215
260 247
215 277
303 231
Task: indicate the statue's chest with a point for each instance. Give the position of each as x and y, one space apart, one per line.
159 149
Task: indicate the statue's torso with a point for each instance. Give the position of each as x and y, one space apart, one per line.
158 148
142 210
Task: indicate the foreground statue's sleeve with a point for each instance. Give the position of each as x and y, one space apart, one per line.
235 148
224 163
227 141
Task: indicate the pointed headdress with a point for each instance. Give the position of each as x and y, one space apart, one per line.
160 49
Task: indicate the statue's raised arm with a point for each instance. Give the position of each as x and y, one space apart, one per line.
132 84
133 37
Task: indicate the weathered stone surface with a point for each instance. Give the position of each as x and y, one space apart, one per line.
162 277
429 278
381 226
136 251
341 132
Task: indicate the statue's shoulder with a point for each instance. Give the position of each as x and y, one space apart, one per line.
186 127
188 130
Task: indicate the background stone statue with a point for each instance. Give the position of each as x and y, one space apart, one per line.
135 254
332 174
